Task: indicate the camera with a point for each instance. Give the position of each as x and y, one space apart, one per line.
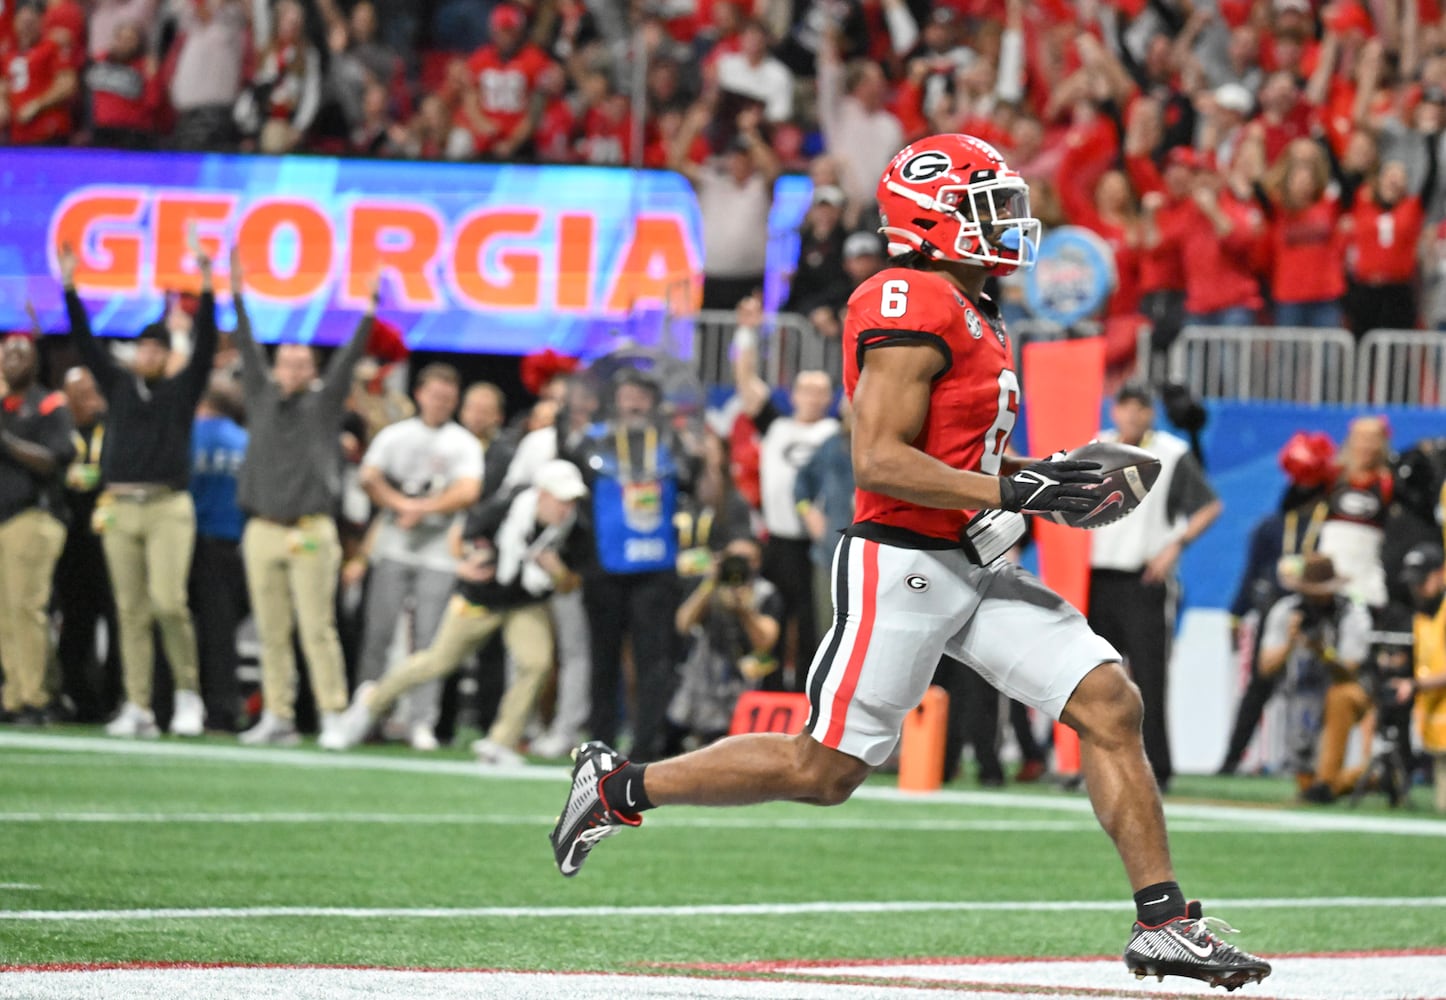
1315 619
734 571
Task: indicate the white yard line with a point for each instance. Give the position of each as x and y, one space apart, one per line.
664 821
709 910
469 819
1235 816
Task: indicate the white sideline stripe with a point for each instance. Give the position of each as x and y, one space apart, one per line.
1265 815
663 822
18 886
467 819
270 755
711 910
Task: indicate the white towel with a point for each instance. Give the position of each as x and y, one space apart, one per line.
515 555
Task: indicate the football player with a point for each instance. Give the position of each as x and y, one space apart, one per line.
928 367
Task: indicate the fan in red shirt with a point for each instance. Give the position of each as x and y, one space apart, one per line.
64 24
36 85
1384 229
1166 209
1283 117
556 131
1307 251
505 71
607 124
1110 213
125 93
1220 238
1291 44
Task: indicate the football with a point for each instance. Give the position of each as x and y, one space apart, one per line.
1129 473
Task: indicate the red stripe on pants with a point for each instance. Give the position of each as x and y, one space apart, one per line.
860 649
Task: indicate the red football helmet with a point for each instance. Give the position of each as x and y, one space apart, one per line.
952 197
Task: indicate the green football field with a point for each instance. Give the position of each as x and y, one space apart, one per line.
211 853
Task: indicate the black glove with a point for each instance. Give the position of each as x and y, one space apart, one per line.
1061 486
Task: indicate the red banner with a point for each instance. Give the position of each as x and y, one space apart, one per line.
1063 391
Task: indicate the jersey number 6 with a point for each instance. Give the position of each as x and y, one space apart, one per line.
998 436
895 299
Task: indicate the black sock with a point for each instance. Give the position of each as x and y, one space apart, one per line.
1155 904
625 791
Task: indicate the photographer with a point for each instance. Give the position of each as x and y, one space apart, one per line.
732 618
1422 572
1319 638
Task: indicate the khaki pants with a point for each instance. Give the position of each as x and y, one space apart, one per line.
1438 759
527 634
1346 704
295 569
148 547
30 544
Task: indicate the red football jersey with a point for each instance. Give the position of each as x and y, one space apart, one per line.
975 396
506 85
28 75
1383 241
607 140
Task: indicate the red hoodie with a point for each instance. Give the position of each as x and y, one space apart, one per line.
1219 275
1308 256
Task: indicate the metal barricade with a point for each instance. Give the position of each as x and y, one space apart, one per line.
787 345
1401 367
1281 364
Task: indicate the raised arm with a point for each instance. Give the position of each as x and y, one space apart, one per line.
679 149
752 391
1433 169
336 380
830 87
253 358
903 29
1318 89
96 357
759 151
1009 81
203 350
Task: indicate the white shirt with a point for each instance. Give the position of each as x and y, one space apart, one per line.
422 461
769 82
735 222
1131 542
788 444
864 140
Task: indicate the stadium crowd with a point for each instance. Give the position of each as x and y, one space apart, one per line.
1288 150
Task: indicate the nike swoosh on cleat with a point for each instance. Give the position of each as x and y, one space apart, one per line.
1152 902
1191 946
628 793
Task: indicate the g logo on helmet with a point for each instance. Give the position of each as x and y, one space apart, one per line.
924 167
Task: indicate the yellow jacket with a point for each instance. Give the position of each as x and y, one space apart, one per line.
1430 650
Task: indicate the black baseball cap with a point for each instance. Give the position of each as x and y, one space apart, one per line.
156 332
1136 391
1421 562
